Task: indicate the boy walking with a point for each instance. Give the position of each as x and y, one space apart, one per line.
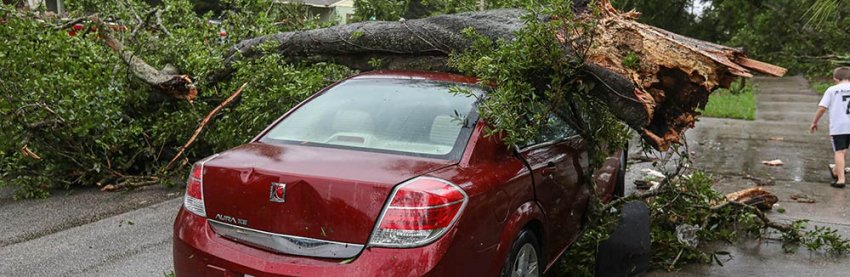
836 100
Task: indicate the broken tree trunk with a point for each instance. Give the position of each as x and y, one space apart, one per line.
658 95
672 76
166 80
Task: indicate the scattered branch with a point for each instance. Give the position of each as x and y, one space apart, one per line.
71 23
29 153
766 221
159 24
131 182
202 125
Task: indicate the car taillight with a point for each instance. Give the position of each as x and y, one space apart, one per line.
419 211
193 201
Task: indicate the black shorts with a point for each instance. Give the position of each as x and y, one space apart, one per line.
840 142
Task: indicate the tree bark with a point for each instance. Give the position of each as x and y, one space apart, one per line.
418 44
657 91
164 80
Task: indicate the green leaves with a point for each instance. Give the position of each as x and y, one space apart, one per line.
107 123
519 71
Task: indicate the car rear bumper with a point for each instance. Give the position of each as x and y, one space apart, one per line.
198 251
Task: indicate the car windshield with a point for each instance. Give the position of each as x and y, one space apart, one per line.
403 116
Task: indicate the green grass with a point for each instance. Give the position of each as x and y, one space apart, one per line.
820 87
819 84
737 102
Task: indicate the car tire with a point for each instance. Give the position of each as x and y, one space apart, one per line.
525 258
620 186
628 250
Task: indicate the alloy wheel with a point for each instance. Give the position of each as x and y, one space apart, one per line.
526 264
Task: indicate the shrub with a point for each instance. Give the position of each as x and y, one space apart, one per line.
74 115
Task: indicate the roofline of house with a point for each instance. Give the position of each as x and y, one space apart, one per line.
334 4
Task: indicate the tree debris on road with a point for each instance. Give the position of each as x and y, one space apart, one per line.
802 198
761 182
757 197
776 162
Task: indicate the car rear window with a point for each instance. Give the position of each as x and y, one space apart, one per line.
405 116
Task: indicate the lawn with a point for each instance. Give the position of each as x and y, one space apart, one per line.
819 83
821 86
737 102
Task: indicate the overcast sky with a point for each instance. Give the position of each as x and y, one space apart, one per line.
699 6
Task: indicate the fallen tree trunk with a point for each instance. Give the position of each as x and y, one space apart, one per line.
166 80
420 44
652 79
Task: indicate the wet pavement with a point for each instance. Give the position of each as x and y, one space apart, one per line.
733 149
85 232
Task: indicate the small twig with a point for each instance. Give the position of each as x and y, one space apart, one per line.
203 125
767 222
29 153
623 200
133 11
676 260
142 24
71 23
159 24
131 182
50 123
269 9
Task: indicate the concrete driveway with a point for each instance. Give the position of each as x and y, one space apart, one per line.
733 149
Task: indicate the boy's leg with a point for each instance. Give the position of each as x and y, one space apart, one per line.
839 166
840 143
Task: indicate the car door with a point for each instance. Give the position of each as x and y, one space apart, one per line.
556 160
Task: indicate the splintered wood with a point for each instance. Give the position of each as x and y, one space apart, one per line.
673 74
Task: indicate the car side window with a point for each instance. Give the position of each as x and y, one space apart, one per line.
554 129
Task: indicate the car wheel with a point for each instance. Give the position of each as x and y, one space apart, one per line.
628 249
620 186
524 259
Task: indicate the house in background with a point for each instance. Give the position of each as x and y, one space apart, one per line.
340 11
57 6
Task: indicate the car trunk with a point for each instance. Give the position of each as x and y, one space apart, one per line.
331 194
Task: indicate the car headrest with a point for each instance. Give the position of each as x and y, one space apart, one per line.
445 130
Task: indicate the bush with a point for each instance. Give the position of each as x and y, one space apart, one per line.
74 115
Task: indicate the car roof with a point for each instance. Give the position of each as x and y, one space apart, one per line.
416 75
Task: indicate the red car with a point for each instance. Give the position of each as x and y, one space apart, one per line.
387 174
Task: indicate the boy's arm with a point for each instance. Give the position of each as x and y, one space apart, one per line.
818 115
823 105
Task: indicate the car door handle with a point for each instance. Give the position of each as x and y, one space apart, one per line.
548 170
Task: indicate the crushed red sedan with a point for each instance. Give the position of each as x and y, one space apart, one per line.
387 173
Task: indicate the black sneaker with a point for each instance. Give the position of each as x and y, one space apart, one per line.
837 185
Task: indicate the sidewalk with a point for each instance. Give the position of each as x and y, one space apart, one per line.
732 149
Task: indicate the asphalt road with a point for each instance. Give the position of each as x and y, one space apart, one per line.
89 233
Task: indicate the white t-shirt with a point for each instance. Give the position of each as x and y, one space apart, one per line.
836 99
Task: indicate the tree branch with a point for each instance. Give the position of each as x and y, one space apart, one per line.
174 85
203 125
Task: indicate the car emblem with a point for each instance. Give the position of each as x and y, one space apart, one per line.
278 193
